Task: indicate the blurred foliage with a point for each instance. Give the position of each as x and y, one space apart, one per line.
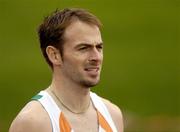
141 71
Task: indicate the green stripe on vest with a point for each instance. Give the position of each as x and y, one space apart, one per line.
36 97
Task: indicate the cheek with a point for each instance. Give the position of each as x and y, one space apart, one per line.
102 56
73 63
75 59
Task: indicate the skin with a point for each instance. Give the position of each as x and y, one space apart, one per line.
73 75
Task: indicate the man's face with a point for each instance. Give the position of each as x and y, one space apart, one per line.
82 54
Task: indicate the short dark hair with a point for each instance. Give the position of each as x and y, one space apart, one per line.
51 31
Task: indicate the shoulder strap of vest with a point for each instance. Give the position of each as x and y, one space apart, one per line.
101 107
51 107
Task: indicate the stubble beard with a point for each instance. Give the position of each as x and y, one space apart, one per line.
83 82
80 79
88 84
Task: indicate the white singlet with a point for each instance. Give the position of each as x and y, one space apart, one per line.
60 124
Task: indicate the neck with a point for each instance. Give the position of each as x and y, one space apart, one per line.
75 99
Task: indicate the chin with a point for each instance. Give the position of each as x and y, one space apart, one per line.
89 84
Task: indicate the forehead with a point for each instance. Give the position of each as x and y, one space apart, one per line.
80 32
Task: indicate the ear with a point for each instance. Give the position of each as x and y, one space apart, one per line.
53 55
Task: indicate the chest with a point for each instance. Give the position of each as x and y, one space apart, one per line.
83 123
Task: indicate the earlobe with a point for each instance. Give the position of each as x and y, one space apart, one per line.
53 55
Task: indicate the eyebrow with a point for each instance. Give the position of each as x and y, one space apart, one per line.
88 44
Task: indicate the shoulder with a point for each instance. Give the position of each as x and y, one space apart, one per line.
116 114
32 117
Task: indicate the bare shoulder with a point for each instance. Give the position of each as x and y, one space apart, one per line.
116 114
32 118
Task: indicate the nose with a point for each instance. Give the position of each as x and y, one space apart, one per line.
96 55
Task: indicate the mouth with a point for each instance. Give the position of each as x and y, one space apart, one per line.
94 71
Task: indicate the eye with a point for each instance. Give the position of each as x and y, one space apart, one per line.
83 48
100 47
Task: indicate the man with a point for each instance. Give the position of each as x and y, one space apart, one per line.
72 45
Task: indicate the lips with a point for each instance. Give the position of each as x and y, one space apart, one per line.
92 70
95 69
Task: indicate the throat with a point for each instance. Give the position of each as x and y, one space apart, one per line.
71 104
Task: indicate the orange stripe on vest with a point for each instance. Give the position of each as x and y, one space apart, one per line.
64 125
103 123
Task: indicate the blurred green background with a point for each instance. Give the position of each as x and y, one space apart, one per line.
141 71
